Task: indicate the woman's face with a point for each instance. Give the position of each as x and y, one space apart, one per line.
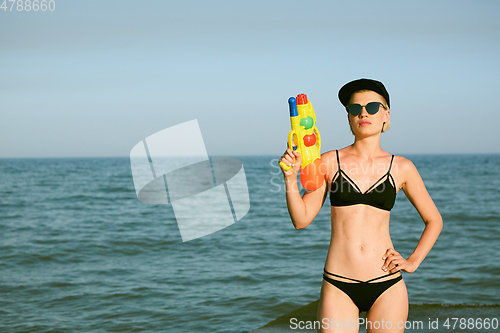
366 124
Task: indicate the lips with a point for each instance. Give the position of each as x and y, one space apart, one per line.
364 123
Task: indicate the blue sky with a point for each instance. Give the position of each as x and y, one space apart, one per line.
93 78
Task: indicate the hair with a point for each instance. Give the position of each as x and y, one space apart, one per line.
386 124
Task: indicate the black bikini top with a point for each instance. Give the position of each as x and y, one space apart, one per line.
343 193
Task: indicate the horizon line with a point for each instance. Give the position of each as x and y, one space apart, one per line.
226 155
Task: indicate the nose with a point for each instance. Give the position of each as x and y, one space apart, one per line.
363 113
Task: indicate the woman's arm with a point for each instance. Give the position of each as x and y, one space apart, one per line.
303 209
414 189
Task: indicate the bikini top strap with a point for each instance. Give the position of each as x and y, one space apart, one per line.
338 160
390 166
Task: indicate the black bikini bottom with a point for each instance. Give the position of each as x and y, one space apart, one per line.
362 293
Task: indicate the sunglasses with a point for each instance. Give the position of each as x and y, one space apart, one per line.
371 108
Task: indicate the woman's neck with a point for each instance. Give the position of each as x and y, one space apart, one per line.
367 147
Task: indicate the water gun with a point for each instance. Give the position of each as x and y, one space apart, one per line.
305 137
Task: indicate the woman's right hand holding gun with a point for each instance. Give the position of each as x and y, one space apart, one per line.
302 210
295 204
292 159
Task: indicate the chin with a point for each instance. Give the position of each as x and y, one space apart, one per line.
366 132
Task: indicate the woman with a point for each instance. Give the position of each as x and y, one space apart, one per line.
362 270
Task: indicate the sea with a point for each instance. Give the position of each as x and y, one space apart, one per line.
80 253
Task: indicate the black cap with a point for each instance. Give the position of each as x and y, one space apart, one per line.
350 88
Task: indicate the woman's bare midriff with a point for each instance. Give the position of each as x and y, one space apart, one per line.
360 237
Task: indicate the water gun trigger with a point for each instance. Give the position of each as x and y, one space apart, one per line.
292 136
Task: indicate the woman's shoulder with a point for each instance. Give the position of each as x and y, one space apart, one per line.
333 153
403 165
329 163
403 161
329 154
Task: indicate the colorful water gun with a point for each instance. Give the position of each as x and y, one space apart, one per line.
305 137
